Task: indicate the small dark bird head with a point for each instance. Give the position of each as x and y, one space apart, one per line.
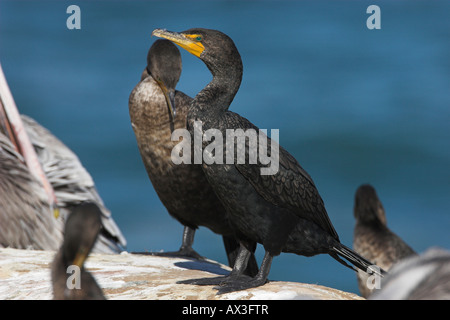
213 47
80 233
368 207
164 65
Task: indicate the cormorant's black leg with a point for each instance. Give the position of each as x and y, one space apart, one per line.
241 262
240 282
186 249
261 277
235 276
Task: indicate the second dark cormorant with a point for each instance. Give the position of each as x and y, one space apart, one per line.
69 278
156 109
282 211
372 238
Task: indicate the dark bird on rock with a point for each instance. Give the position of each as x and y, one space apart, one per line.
372 238
71 281
41 177
282 210
156 110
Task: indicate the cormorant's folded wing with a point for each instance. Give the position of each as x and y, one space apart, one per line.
290 187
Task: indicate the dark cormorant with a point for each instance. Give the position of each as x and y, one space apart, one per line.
372 238
70 279
418 277
156 109
37 173
283 211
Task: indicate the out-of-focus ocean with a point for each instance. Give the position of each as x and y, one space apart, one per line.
353 105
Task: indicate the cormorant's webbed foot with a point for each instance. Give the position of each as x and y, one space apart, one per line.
182 253
243 284
217 281
240 284
236 275
185 251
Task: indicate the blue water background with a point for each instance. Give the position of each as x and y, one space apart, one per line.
353 105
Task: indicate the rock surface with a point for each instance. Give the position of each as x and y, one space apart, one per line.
25 274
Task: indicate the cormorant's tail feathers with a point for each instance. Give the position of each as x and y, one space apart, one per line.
358 261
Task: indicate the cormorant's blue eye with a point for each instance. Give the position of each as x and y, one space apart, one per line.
199 38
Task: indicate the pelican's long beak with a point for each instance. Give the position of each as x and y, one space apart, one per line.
11 124
189 42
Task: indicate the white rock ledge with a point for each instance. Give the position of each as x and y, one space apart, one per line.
25 275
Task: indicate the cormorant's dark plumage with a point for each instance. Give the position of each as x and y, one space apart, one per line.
284 211
81 230
182 188
372 238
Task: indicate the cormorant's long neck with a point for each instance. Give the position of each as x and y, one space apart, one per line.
217 96
371 216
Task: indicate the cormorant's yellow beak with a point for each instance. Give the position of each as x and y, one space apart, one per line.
80 257
189 42
170 97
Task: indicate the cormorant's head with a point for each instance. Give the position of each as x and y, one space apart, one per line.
367 205
213 47
80 233
164 65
